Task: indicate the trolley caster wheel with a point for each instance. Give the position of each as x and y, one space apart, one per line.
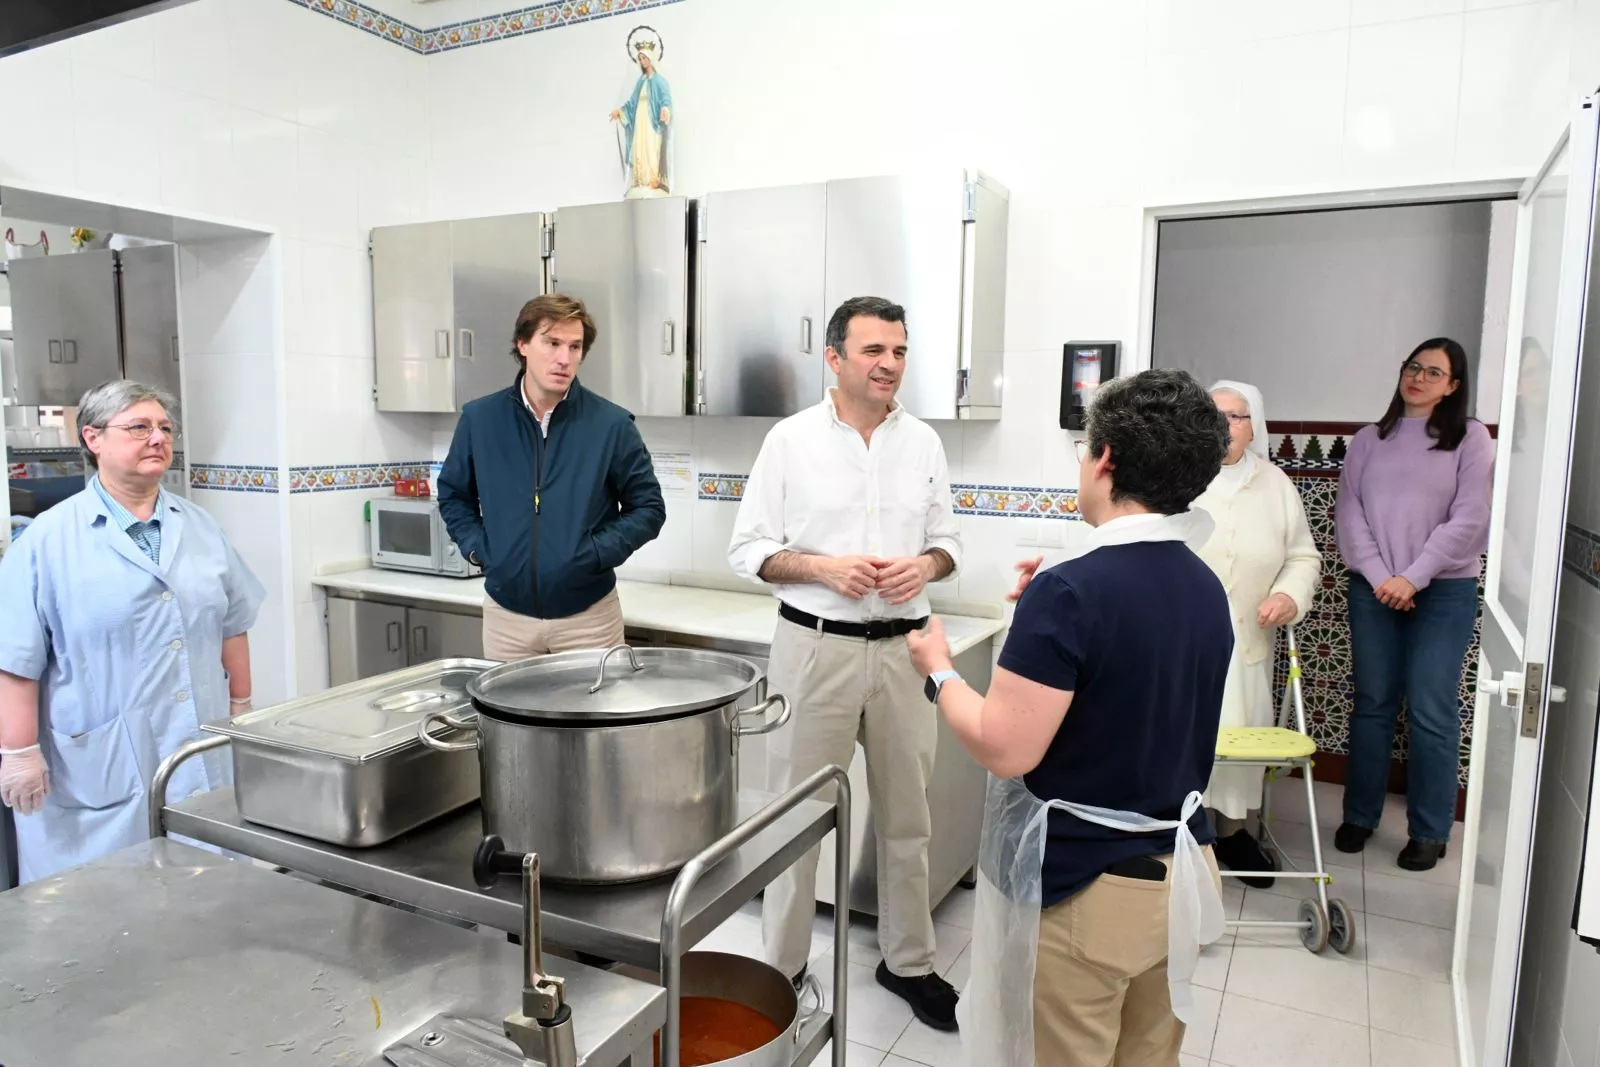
969 880
1315 936
1341 927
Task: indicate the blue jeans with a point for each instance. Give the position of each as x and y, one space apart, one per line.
1417 654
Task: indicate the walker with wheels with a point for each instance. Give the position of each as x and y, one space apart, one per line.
1323 920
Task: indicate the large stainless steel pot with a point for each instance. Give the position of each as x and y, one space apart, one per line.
613 766
760 987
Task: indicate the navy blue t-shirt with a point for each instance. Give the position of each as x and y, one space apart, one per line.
1140 634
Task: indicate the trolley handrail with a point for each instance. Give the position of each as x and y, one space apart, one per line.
716 852
164 773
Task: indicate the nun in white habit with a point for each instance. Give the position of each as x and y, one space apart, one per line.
1263 552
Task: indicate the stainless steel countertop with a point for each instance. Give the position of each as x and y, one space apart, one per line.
166 954
431 869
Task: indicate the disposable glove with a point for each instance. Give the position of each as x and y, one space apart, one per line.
24 779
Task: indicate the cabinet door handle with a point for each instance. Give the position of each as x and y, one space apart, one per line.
441 344
805 334
668 338
419 641
464 348
55 351
71 350
174 350
392 635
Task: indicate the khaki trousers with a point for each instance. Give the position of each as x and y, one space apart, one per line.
1100 996
509 636
845 690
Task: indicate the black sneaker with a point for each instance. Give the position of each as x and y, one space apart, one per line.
1350 838
1240 851
932 999
1417 856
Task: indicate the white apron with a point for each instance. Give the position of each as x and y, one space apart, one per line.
996 1009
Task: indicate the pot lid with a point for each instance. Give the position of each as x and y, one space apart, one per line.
363 720
637 685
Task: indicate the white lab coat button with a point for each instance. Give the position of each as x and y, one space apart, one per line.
176 645
181 695
166 595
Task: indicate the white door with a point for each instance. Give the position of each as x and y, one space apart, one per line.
1549 288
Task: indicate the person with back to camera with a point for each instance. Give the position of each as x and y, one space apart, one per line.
1096 885
1413 523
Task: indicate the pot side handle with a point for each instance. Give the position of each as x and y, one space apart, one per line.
439 744
765 726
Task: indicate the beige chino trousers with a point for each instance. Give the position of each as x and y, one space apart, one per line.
844 690
508 635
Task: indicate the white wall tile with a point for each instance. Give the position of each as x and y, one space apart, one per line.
122 48
326 174
1292 110
1193 131
196 148
338 531
265 152
1512 110
331 420
265 59
302 567
192 52
229 297
712 530
311 648
329 72
1404 83
38 147
1366 12
333 282
220 425
117 135
1268 19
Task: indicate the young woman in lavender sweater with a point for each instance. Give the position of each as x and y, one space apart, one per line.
1413 521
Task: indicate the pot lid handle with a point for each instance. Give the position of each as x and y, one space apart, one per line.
633 661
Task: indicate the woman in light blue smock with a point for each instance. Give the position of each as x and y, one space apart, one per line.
123 626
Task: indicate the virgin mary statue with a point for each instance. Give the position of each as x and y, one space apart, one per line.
645 122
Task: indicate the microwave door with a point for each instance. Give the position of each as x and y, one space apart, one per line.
403 537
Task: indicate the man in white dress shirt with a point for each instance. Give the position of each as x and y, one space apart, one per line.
847 513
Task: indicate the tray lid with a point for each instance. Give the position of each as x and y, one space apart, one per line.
363 720
569 687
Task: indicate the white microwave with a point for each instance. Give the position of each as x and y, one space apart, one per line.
408 534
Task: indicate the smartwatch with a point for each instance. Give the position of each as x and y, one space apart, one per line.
935 682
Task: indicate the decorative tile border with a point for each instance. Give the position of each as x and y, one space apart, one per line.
1580 554
339 477
1016 502
457 35
233 478
722 486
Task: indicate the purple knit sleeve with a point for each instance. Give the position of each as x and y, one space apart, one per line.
1456 543
1356 544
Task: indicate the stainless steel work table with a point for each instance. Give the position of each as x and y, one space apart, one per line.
166 954
431 869
648 925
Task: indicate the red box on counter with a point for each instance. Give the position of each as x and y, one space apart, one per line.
411 487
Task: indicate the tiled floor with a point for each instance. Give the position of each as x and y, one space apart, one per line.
1267 999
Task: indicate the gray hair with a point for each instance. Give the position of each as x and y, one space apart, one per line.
107 400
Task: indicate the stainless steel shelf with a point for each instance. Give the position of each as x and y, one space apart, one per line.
431 869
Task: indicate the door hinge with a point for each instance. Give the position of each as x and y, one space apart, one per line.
374 394
963 386
547 240
1532 698
969 203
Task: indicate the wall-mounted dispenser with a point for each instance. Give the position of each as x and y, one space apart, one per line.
1084 365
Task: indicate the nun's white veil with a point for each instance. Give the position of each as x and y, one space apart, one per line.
1260 444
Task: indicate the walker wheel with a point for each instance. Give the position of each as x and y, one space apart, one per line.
1341 927
1315 935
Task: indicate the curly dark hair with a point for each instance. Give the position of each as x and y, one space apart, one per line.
1166 436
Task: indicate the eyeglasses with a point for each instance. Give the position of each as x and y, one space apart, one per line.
141 431
1414 369
1234 416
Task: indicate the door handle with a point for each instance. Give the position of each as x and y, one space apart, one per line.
55 351
393 633
70 351
464 346
419 642
805 334
668 338
441 344
1508 687
174 350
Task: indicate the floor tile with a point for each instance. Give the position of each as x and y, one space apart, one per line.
1198 1036
1410 899
855 1055
1409 948
956 909
1263 905
1294 978
1348 881
1392 1050
924 1044
1211 971
877 1017
1251 1033
896 1061
1185 1060
1412 1007
961 969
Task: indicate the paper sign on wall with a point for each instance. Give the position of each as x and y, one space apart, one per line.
675 472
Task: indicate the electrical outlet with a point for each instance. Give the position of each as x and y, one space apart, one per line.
1027 537
1053 536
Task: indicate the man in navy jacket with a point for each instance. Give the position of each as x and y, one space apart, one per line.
549 488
